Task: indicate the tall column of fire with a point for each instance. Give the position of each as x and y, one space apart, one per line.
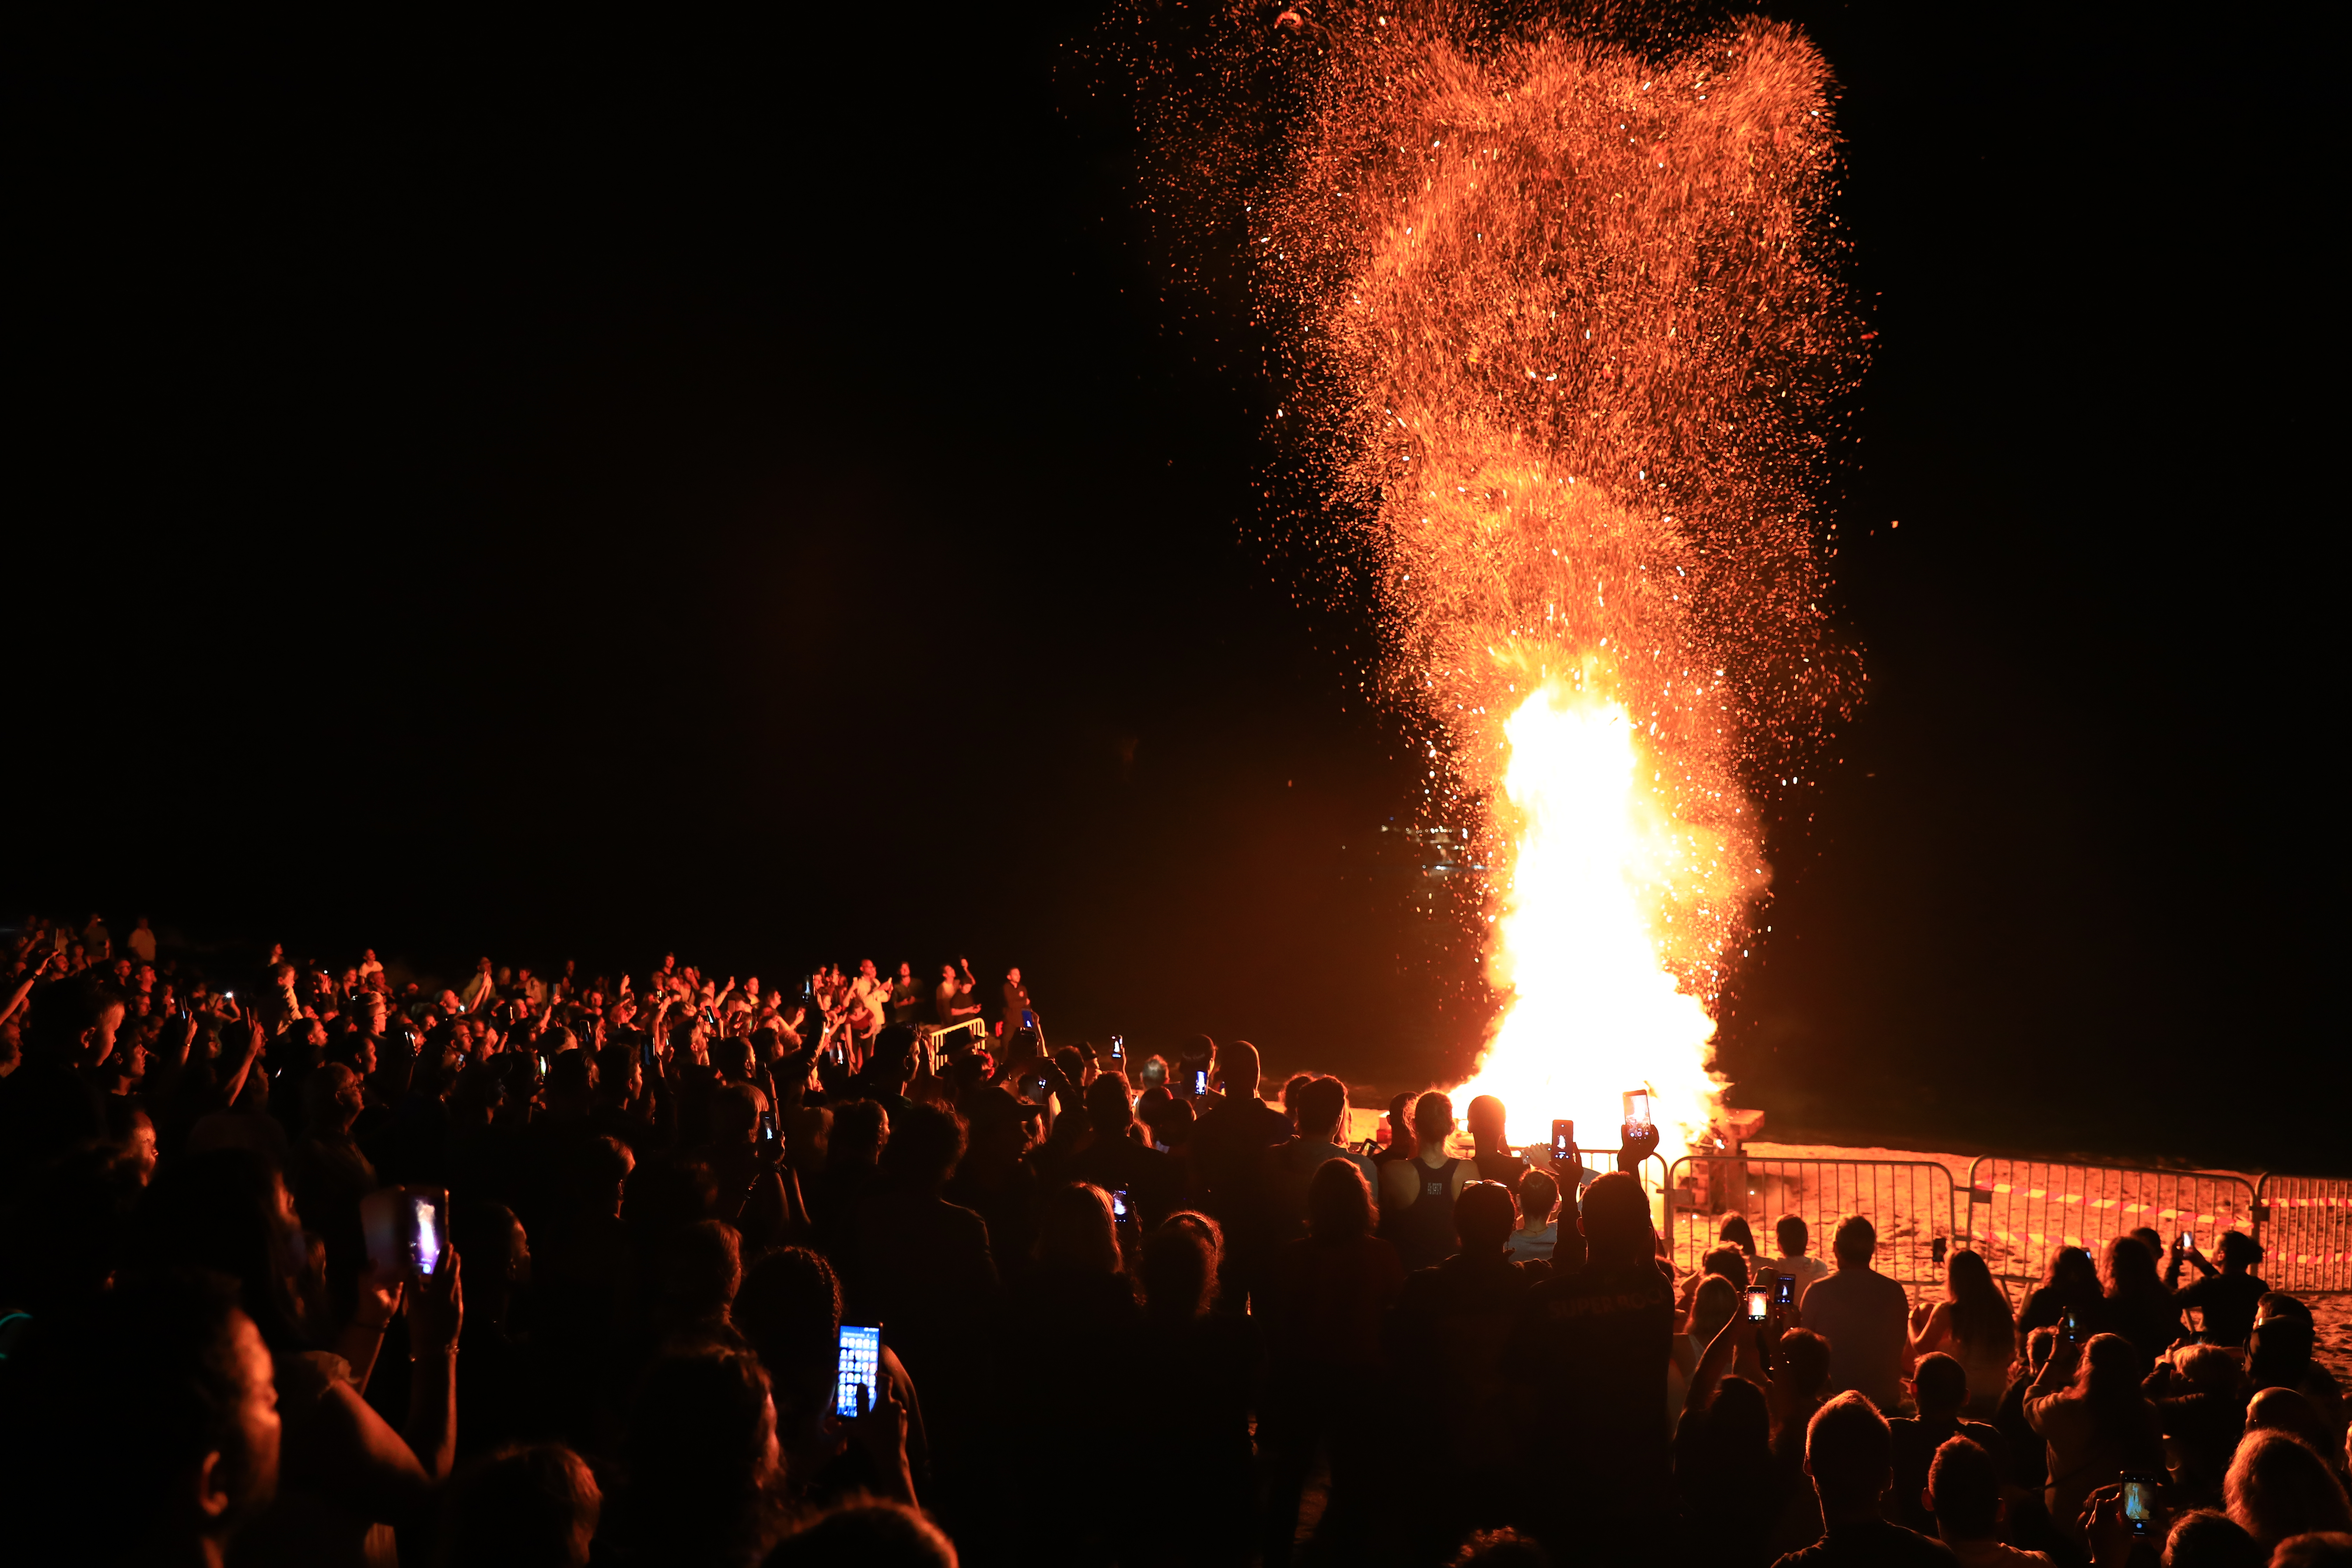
1564 328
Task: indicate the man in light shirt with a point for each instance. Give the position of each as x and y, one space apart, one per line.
1794 1236
1865 1317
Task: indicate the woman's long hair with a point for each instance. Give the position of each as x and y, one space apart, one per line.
2129 1271
1075 1230
1338 1204
703 1484
2073 1275
2108 1380
1980 1313
224 1210
1180 1267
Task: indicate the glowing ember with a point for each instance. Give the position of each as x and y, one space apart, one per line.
1561 324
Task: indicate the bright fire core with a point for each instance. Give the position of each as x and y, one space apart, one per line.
1598 866
1558 328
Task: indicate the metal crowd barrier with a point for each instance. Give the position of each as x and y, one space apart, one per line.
939 1034
2022 1211
937 1039
2305 1224
1912 1202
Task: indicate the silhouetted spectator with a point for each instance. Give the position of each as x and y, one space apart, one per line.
1596 1339
1188 1424
1491 1148
1450 1325
2070 1279
2206 1539
1729 1488
1865 1316
1794 1236
1149 1181
143 1429
2278 1487
865 1534
2087 1406
2201 1406
1963 1497
1939 1386
1974 1325
704 1487
1849 1455
2227 1298
523 1507
2137 1305
1417 1194
1539 1218
1319 1111
1331 1290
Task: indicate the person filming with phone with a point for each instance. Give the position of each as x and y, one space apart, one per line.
2227 1296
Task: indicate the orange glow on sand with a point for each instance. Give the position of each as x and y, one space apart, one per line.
1561 332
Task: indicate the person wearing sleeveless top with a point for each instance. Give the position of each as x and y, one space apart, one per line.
1417 1194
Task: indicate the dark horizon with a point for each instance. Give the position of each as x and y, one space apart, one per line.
738 492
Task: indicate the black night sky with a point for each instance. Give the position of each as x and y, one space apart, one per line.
650 483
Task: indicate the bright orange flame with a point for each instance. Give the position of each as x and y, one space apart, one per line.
1560 326
1598 860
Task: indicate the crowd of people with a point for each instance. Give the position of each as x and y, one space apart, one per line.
1130 1310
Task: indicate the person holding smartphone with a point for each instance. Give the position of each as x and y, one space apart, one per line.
1014 997
1117 1162
1597 1342
2086 1404
951 999
2226 1298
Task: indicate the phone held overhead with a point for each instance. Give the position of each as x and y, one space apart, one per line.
1638 1124
1563 1141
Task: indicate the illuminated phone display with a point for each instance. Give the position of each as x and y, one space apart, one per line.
861 1368
426 1214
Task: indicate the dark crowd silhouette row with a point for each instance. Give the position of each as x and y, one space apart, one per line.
308 1264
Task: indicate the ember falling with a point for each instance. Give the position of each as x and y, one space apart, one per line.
1562 333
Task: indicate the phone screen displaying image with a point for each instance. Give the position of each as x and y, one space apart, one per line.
767 1127
2140 1504
1760 1304
1563 1140
1119 1209
1637 1107
1201 1082
1784 1290
861 1369
426 1232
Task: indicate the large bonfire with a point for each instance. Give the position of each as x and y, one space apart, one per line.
1560 319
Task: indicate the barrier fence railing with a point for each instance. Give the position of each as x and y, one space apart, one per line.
2305 1224
1911 1202
941 1036
2022 1211
1595 1164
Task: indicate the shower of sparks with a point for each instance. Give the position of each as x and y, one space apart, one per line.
1558 325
